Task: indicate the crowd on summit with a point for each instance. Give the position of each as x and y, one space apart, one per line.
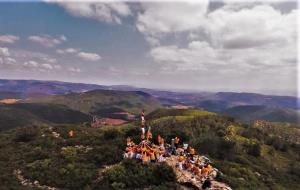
187 158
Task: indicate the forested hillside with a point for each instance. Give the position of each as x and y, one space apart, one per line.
246 156
98 101
27 114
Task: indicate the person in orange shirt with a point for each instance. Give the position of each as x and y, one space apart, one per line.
144 154
196 170
152 154
205 170
180 162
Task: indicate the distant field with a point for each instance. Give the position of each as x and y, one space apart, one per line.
9 101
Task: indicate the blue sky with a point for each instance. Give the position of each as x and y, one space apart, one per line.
207 46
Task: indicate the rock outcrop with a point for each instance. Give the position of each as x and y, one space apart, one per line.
27 183
186 178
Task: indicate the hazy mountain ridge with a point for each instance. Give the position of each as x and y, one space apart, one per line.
281 107
30 87
233 98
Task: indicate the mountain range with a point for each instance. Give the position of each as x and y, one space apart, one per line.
247 107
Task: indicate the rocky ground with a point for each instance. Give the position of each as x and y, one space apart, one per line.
187 179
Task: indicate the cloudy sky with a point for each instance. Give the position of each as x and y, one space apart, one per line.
207 46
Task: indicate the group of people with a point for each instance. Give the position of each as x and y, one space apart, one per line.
148 151
187 159
199 166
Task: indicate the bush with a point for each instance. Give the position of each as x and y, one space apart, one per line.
131 174
216 147
111 134
26 134
254 149
106 154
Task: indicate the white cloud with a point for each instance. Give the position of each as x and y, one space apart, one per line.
5 57
9 39
10 60
75 69
68 50
160 18
106 12
89 56
46 40
251 27
228 26
252 38
197 56
31 64
58 67
4 52
152 40
46 66
63 38
60 51
49 59
86 56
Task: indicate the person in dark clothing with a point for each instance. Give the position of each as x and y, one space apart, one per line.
206 184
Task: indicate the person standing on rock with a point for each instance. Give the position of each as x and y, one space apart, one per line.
143 121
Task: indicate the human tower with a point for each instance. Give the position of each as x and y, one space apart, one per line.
187 159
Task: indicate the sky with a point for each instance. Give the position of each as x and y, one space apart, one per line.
183 45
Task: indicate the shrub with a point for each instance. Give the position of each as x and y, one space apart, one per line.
111 134
26 134
254 149
106 154
131 174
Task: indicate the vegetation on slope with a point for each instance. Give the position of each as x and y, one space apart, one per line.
251 112
159 113
23 114
247 155
250 157
98 100
58 162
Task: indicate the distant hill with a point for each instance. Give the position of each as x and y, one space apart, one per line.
99 102
36 88
221 102
163 112
27 114
250 113
214 105
258 99
246 107
10 95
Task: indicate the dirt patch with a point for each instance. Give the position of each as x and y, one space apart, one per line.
9 101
